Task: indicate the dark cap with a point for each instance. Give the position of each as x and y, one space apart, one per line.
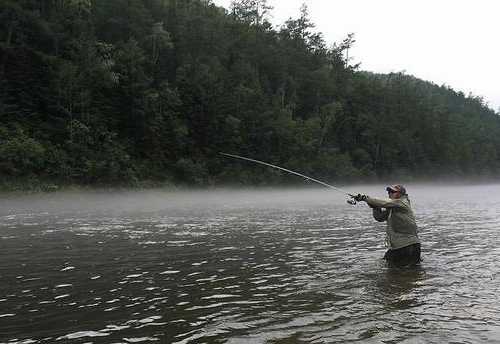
397 188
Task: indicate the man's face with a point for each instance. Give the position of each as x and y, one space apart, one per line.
394 194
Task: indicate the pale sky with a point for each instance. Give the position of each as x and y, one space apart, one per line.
452 42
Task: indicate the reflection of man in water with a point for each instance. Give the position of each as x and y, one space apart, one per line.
402 238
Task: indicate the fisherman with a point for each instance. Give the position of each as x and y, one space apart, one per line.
402 238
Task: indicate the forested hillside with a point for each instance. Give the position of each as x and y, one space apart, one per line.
120 92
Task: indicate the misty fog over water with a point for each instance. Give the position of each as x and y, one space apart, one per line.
246 266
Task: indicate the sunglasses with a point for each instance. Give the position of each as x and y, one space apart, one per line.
391 191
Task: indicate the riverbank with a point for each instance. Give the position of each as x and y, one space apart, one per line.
35 185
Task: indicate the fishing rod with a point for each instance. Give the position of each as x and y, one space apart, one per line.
350 201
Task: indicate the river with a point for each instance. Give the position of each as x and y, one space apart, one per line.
246 266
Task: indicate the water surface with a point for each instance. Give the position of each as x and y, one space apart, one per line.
283 266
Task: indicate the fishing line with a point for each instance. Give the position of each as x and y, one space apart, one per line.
288 171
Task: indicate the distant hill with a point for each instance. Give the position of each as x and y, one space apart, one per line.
123 92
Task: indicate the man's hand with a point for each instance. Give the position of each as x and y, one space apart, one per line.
360 197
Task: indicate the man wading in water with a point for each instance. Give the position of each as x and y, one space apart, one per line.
402 238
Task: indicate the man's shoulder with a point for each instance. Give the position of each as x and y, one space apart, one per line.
404 202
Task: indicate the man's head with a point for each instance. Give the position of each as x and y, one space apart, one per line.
396 191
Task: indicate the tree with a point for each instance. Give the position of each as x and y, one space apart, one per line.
250 11
131 90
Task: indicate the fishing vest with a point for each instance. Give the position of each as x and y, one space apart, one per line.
401 228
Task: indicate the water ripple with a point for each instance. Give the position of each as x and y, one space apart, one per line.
304 269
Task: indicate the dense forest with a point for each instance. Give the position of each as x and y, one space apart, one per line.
131 92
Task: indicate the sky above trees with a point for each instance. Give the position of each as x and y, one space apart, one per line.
446 42
136 92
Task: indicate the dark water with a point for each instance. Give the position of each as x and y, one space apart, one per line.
245 267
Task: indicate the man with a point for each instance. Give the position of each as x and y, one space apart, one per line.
402 238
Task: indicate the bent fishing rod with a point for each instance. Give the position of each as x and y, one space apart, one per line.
350 201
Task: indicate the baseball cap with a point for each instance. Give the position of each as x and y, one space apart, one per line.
397 188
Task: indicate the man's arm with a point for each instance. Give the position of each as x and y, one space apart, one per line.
380 215
385 203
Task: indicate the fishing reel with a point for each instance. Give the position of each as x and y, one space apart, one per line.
352 201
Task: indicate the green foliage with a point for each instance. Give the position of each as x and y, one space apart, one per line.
127 91
192 172
21 155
